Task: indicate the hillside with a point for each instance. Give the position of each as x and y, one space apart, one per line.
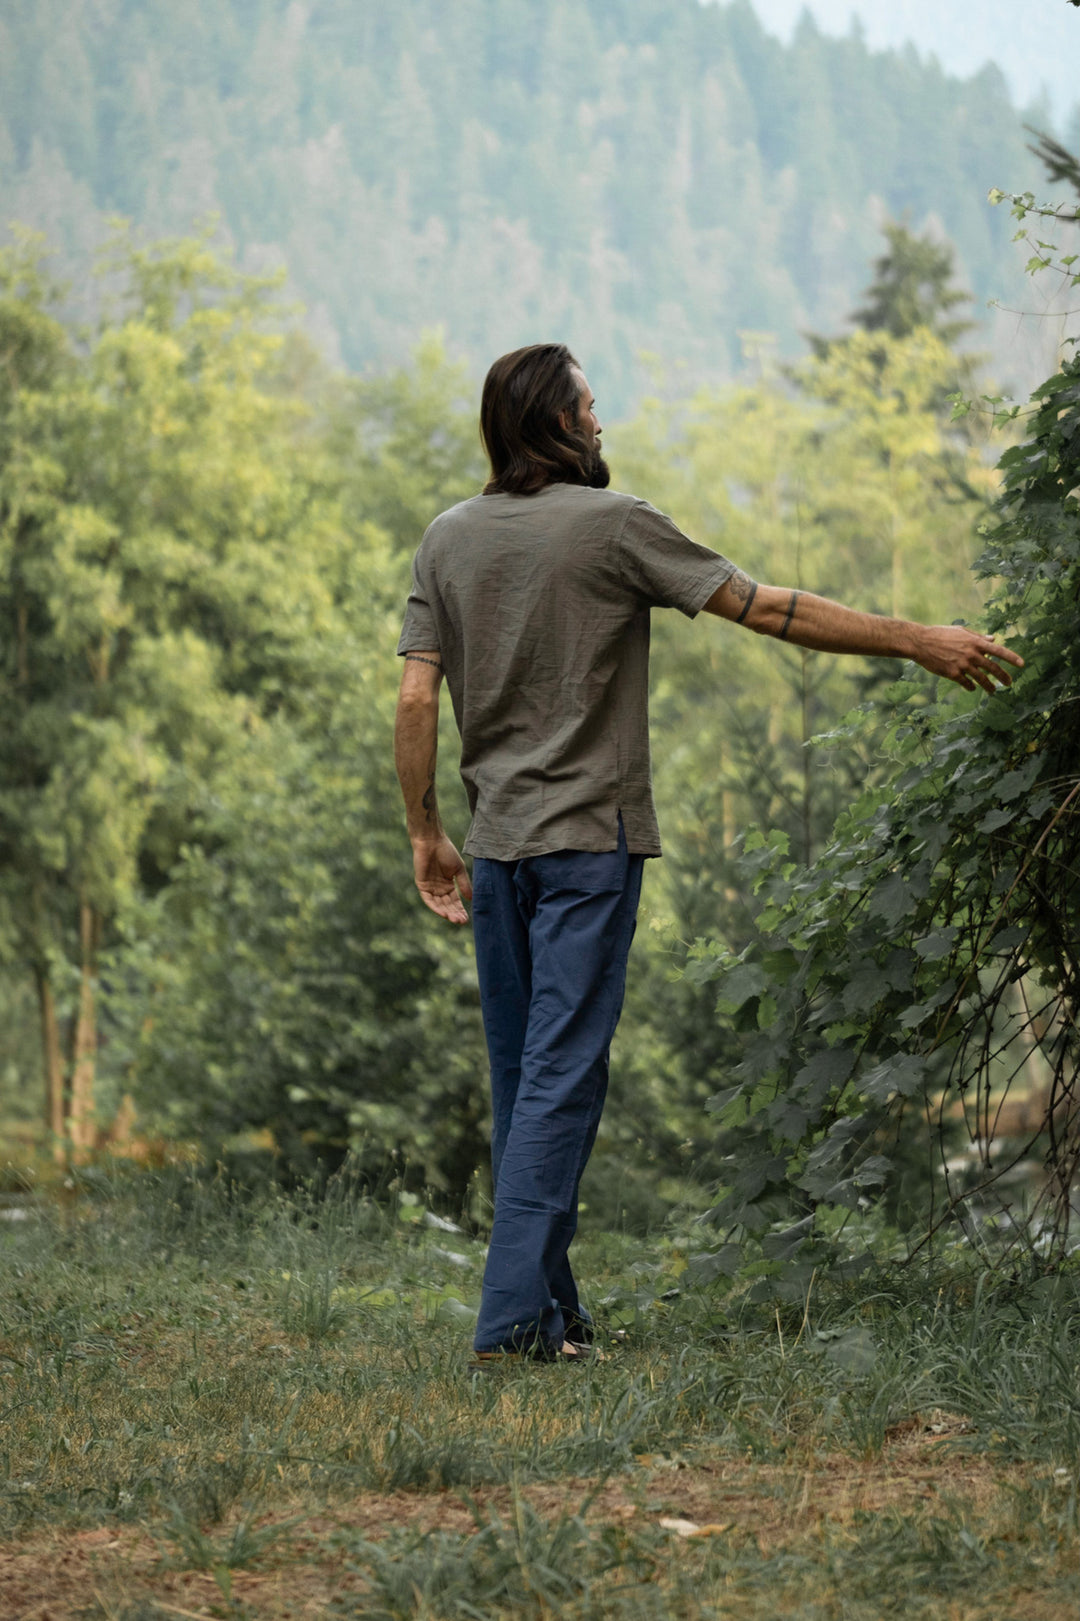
1038 51
638 175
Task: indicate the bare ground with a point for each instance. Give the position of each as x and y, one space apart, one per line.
112 1571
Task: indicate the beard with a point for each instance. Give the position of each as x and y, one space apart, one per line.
598 473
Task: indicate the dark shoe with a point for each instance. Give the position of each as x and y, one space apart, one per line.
582 1351
500 1360
578 1330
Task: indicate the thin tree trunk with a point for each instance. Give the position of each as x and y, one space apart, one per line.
54 1064
22 642
807 762
804 710
84 1048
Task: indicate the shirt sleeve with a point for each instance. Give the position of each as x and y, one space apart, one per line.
418 632
664 566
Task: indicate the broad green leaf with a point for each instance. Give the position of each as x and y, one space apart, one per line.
853 1349
720 1100
902 1074
865 988
742 983
827 1069
785 1245
872 1172
708 1265
995 819
892 900
1015 783
937 944
788 1119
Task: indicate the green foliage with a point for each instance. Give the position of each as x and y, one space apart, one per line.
199 704
261 959
855 487
930 953
284 978
503 168
1043 253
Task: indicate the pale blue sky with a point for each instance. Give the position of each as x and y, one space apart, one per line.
1036 43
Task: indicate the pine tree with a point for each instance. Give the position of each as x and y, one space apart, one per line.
912 288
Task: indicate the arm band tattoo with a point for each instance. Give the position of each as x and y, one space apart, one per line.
790 616
418 658
749 603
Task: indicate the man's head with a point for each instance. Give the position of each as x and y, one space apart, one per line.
538 423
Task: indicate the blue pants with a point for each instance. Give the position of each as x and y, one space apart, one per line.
552 934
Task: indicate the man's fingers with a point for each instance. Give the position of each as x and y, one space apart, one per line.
997 651
447 906
442 879
988 670
988 664
980 664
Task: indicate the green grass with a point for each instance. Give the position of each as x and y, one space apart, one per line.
259 1404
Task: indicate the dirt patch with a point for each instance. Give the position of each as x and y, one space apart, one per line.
62 1576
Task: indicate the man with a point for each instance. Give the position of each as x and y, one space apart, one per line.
533 599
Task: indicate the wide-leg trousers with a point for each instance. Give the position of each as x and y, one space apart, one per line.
552 935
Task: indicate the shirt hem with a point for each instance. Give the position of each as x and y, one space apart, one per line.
523 852
431 646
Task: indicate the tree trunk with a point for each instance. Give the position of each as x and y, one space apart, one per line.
54 1064
22 643
84 1047
807 808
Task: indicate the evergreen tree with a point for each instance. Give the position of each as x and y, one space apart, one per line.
912 287
1061 166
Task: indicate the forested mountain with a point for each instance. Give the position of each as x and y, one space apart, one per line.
641 176
1039 59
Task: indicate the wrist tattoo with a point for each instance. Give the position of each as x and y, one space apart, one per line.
744 589
790 616
418 658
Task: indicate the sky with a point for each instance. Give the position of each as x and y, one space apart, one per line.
1036 43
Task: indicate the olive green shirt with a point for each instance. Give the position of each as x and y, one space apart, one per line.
539 608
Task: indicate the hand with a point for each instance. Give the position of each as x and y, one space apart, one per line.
441 878
964 656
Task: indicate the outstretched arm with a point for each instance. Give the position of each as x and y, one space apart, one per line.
440 872
828 627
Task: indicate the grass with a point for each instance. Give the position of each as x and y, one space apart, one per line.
257 1406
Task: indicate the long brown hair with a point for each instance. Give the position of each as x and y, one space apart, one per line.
525 393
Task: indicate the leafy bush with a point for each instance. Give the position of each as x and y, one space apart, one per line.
929 958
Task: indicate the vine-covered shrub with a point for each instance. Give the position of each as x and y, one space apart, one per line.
930 958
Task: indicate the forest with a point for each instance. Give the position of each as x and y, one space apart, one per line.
208 919
660 181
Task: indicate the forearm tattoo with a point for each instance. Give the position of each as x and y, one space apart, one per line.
418 658
430 801
744 590
790 616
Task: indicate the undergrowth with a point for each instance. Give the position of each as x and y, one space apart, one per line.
214 1369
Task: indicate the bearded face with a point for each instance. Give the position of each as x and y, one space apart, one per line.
599 473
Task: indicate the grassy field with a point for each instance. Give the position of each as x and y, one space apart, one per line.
216 1405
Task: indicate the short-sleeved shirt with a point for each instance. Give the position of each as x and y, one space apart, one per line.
539 608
